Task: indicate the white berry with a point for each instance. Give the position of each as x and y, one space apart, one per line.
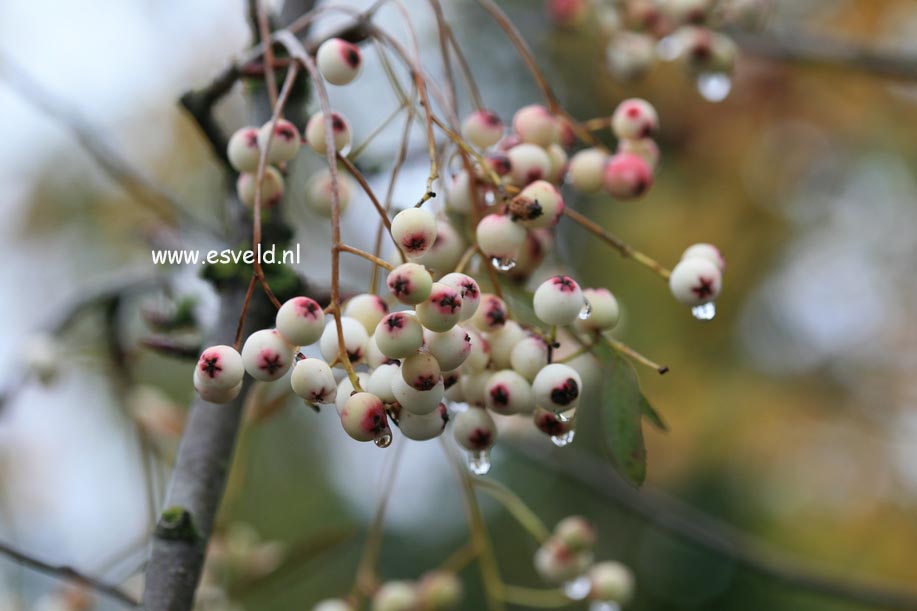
410 283
587 170
425 426
537 206
499 237
634 119
442 310
528 163
319 195
558 300
695 281
355 340
399 335
339 61
284 143
491 314
369 309
474 429
611 582
421 371
272 188
267 355
417 401
380 381
363 416
450 348
557 387
508 392
301 321
243 151
502 341
706 251
313 380
535 124
219 368
315 133
529 356
414 230
604 311
482 128
468 288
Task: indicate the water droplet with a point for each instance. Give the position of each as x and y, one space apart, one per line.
490 198
604 605
384 438
714 86
564 439
578 589
479 462
503 264
567 416
586 312
705 311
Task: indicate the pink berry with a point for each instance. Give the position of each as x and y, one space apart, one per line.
399 335
219 368
535 124
499 163
627 176
482 128
645 147
301 321
284 143
414 230
363 417
339 61
567 13
634 119
315 133
442 310
410 283
266 355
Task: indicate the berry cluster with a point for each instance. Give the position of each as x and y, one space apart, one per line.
566 559
638 33
339 63
439 348
434 591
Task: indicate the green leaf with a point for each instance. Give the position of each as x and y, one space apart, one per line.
623 406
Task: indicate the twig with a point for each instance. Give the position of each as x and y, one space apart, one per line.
69 574
617 243
805 48
697 528
131 179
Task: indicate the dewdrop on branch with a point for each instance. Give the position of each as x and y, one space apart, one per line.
315 133
266 355
339 61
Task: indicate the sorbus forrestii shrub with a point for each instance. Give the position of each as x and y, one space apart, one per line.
464 329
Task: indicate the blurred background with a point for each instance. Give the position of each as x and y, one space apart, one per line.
791 415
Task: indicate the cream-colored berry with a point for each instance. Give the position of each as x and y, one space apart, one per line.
528 163
421 371
557 388
474 429
367 308
442 310
363 416
535 124
558 300
450 348
633 119
243 150
301 321
482 128
529 356
284 144
706 251
355 340
339 61
272 188
313 380
502 341
319 194
315 133
499 237
537 206
468 288
695 281
421 427
603 309
414 230
611 582
219 368
418 402
410 283
399 335
266 355
508 393
587 170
